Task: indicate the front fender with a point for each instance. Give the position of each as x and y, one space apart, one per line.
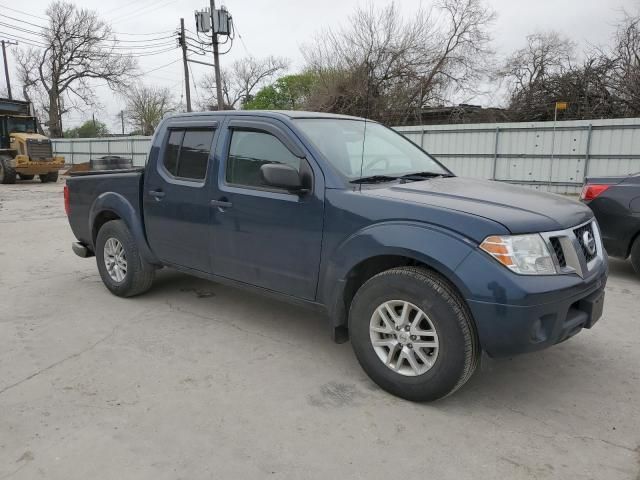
119 205
440 249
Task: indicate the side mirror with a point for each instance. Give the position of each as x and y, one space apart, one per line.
283 176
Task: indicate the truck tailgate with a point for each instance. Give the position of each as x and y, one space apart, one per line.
84 188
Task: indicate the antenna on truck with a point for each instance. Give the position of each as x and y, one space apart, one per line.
364 134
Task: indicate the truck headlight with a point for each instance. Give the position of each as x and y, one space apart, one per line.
523 254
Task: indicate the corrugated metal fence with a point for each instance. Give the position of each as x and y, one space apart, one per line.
539 155
81 150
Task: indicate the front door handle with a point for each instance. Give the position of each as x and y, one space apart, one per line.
221 204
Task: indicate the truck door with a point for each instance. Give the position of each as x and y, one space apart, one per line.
177 192
260 235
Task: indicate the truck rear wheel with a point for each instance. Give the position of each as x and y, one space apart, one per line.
123 271
413 334
49 177
7 173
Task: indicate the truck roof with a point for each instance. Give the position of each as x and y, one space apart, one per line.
267 113
14 107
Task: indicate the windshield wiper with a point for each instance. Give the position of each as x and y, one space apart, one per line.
374 179
422 175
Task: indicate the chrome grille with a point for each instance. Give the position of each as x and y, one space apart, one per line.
39 150
558 251
577 249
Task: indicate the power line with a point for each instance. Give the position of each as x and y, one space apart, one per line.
241 39
141 74
32 15
121 18
134 54
28 41
40 34
125 7
24 13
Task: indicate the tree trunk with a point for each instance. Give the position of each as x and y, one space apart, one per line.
54 114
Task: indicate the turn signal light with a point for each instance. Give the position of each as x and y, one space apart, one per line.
591 191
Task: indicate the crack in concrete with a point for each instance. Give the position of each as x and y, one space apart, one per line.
73 355
556 434
59 362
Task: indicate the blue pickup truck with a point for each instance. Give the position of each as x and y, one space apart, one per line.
421 270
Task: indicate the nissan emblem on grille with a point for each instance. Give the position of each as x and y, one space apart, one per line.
589 242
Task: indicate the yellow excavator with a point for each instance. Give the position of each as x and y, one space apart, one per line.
24 153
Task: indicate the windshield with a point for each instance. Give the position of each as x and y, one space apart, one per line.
22 125
384 153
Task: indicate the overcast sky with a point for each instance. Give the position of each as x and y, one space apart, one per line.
279 27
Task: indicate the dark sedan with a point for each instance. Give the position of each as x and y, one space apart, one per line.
615 201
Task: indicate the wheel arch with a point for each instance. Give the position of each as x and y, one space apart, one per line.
380 248
114 206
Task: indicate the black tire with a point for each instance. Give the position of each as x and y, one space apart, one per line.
49 177
7 173
22 176
635 255
111 162
459 350
139 275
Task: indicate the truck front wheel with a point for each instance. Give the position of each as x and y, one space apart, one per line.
123 271
413 334
7 173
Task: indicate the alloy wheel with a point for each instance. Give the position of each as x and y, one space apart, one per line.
404 338
115 259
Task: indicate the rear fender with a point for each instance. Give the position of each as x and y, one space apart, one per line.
119 205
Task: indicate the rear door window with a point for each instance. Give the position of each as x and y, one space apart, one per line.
172 150
187 153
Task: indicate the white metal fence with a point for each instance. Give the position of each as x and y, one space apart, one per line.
81 150
537 155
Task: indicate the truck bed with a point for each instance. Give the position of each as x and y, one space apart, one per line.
85 188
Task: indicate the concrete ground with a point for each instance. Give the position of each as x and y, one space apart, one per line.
195 380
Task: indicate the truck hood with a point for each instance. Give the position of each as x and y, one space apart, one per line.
519 209
27 136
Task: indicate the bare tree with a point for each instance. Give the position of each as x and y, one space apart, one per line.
626 55
78 47
605 84
540 73
546 54
381 64
242 79
147 105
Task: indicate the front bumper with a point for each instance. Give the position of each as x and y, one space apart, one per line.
517 314
34 167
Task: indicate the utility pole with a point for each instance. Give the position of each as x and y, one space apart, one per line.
122 120
93 118
6 67
216 58
183 44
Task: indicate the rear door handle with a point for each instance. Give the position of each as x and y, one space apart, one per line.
221 204
157 194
